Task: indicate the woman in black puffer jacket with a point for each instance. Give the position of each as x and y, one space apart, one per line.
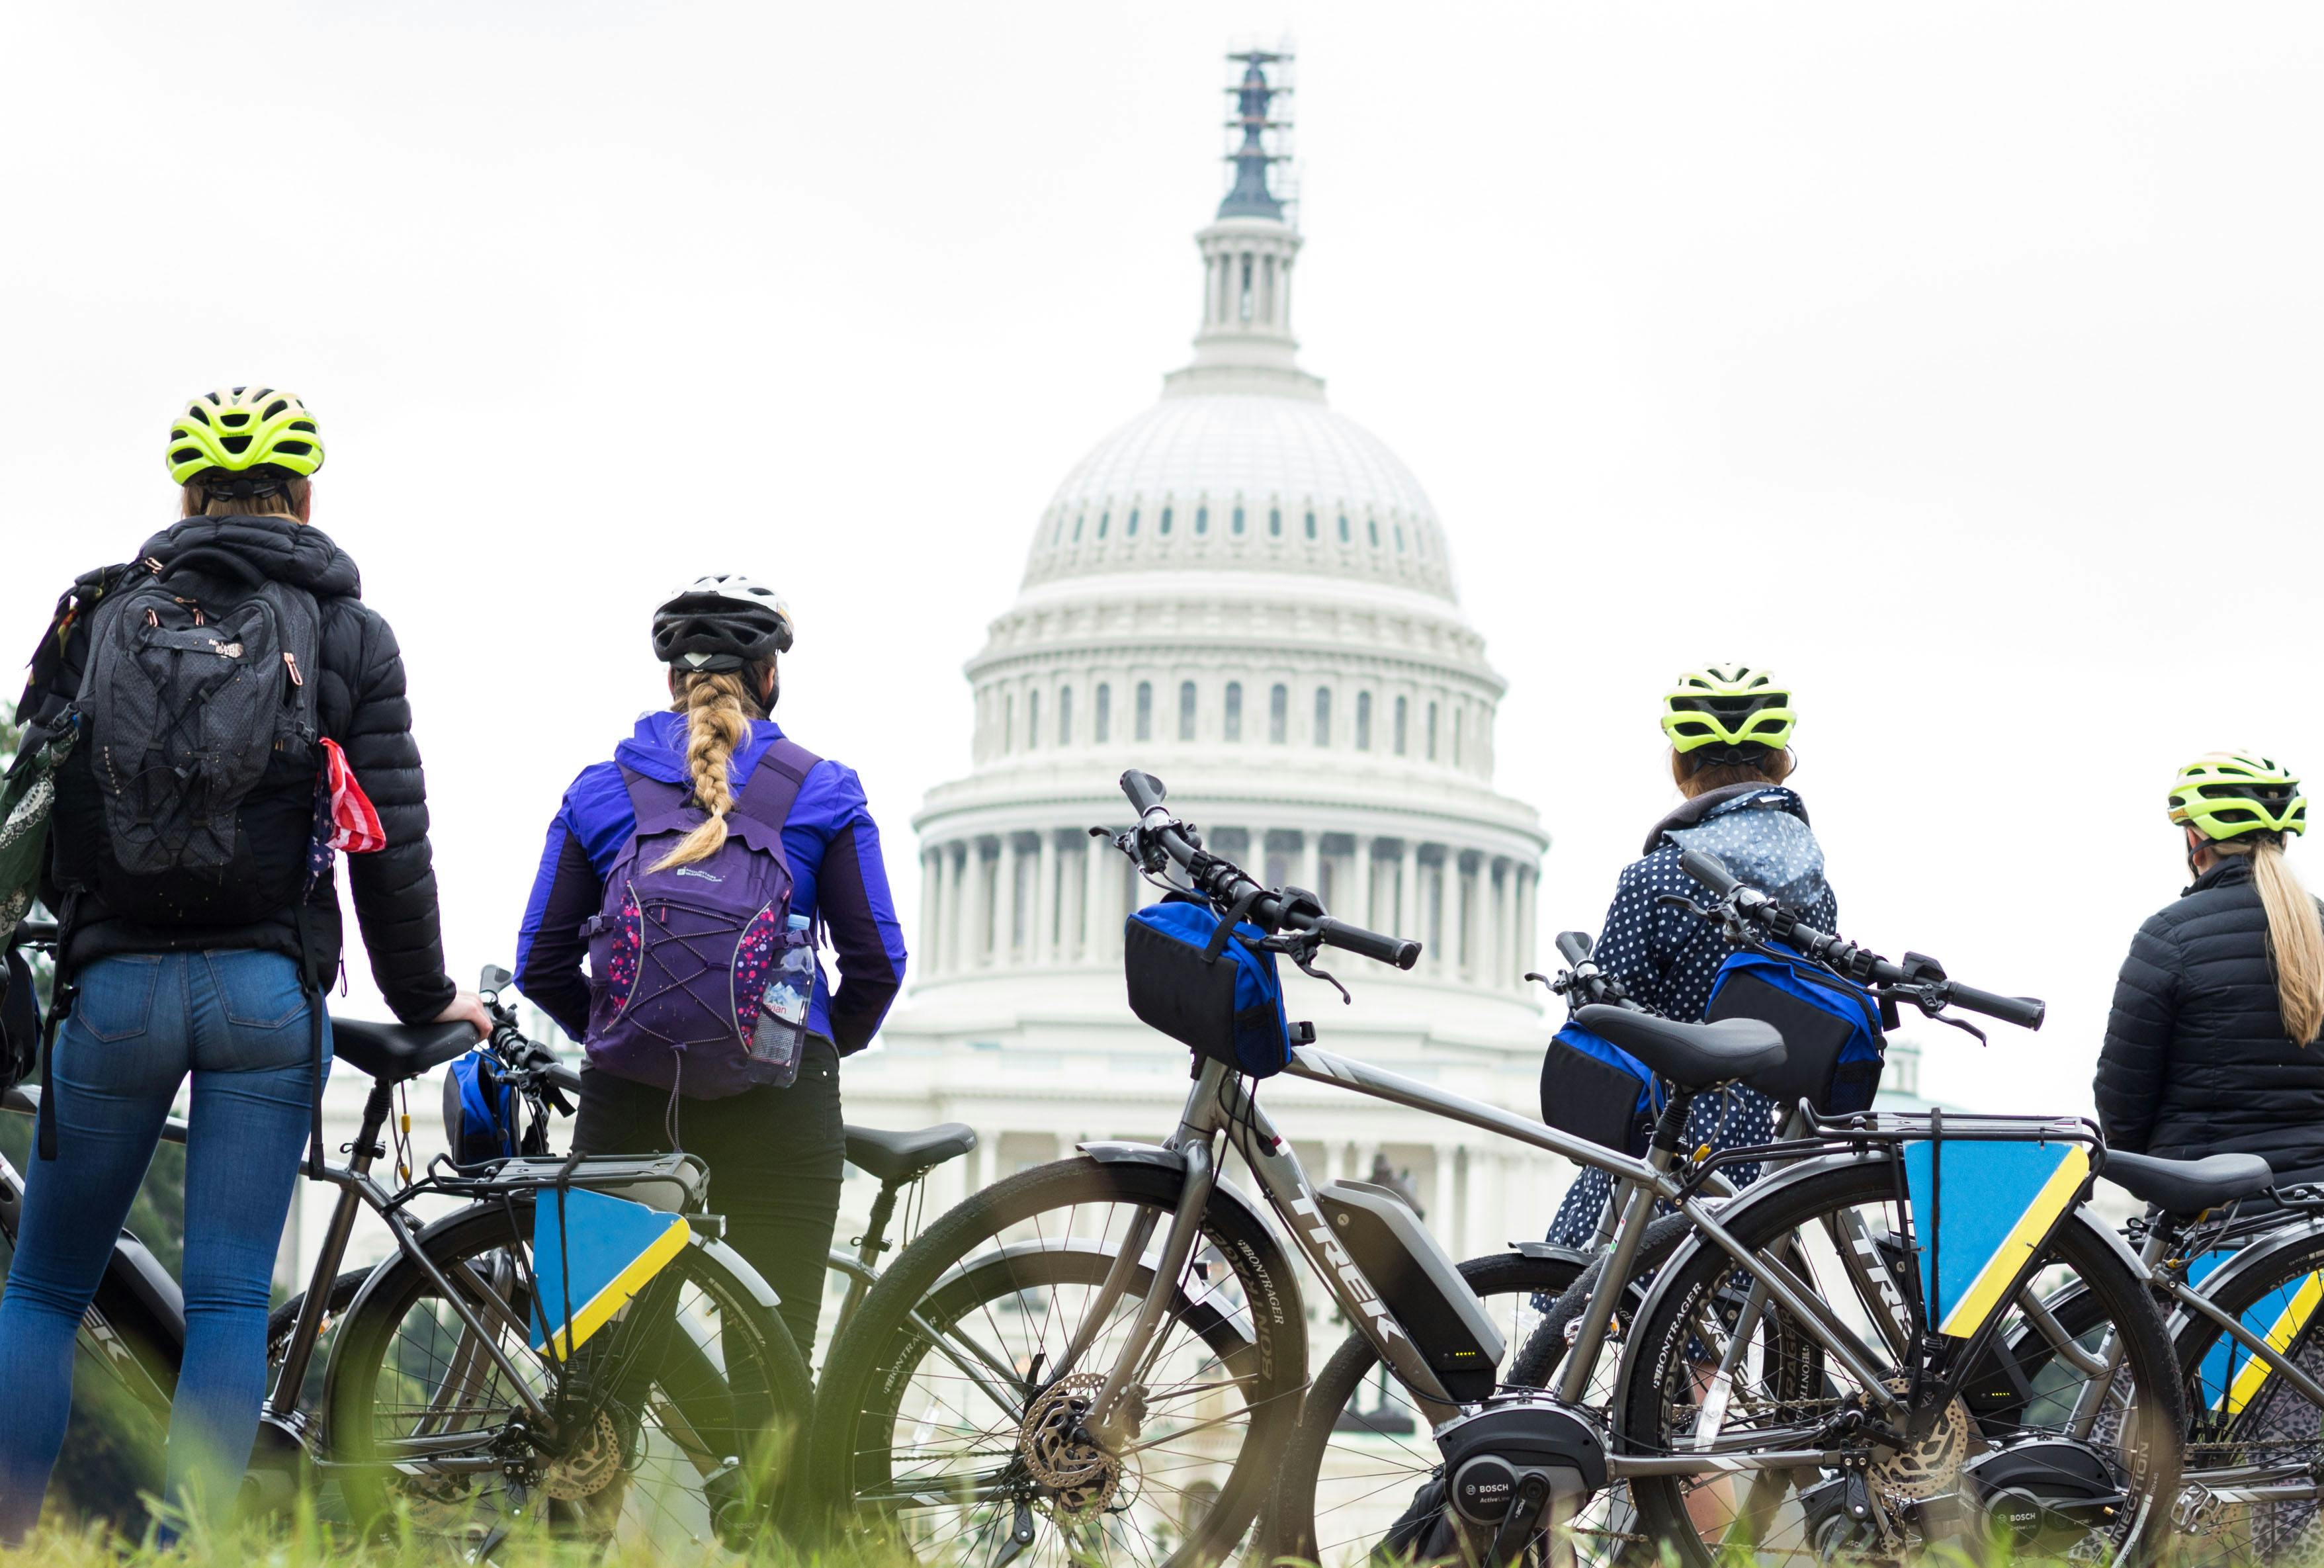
2211 1047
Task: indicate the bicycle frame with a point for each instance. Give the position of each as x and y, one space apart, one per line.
1217 1105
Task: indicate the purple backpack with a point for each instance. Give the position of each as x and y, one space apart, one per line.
680 959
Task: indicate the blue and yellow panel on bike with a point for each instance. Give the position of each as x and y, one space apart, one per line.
1998 1203
2232 1376
591 1256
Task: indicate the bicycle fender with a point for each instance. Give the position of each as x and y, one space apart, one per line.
1117 1151
1554 1253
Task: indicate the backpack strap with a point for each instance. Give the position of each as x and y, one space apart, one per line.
774 784
651 799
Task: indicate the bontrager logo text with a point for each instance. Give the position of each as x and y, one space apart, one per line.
1345 1267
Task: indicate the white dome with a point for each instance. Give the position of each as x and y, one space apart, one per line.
1317 492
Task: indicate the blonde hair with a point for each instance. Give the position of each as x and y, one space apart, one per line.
2295 934
719 710
289 500
1772 767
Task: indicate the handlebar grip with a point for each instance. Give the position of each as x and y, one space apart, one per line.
1710 871
35 932
1573 946
1144 790
2026 1011
1397 950
565 1077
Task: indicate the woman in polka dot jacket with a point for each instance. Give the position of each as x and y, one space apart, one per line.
1728 727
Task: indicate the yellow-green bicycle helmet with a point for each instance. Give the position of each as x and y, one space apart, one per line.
1735 707
242 429
2227 794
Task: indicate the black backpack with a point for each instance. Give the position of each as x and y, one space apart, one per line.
197 689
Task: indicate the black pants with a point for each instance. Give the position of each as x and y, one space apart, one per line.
776 1159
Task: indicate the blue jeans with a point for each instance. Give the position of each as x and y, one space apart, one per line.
238 1021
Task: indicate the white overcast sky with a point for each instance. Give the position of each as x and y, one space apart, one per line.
1958 361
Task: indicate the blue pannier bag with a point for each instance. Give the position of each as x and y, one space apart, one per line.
481 1113
1833 1046
1595 1089
1206 986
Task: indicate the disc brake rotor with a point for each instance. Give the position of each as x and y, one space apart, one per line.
1080 1476
589 1467
1931 1464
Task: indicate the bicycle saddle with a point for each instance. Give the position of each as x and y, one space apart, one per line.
896 1157
395 1052
1690 1056
2183 1186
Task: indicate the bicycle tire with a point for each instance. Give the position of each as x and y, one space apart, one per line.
866 1376
715 1470
1690 1297
1293 1530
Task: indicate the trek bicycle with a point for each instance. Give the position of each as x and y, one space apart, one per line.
1158 1337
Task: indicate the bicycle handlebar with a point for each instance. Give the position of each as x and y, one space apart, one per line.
1223 882
1926 980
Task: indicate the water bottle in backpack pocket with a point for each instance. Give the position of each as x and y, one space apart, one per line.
781 1033
694 969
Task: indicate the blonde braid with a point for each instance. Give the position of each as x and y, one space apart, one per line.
718 712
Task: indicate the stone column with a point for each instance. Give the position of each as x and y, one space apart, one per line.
1311 860
1407 895
1043 949
1490 971
977 919
1096 907
1528 913
1004 903
955 928
1360 908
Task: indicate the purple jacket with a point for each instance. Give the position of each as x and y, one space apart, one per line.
837 878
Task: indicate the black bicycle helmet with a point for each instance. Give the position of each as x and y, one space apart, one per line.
721 623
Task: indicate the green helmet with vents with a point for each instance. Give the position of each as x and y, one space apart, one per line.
2227 794
1740 709
242 429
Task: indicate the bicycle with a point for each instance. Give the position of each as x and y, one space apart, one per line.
435 1406
135 1327
1144 1416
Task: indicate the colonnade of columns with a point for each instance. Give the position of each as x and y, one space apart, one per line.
1043 899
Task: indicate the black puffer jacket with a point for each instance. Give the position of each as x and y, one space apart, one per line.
2196 1061
361 705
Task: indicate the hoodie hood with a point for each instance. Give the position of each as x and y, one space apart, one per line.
281 549
1717 802
1760 832
657 749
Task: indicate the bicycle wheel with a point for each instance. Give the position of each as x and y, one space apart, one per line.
2250 1426
957 1434
1950 1477
671 1431
1352 1474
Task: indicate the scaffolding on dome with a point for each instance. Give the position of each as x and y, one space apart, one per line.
1260 182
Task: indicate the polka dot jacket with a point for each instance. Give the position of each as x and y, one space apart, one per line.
1667 958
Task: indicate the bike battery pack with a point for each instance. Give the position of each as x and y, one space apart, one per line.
1419 1284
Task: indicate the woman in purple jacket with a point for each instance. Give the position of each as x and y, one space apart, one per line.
774 1152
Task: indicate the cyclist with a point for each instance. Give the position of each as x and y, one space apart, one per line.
213 966
1729 728
2211 1045
775 1153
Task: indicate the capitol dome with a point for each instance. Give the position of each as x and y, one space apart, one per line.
1247 594
1242 481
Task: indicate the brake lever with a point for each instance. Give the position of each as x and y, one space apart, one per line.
1300 949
